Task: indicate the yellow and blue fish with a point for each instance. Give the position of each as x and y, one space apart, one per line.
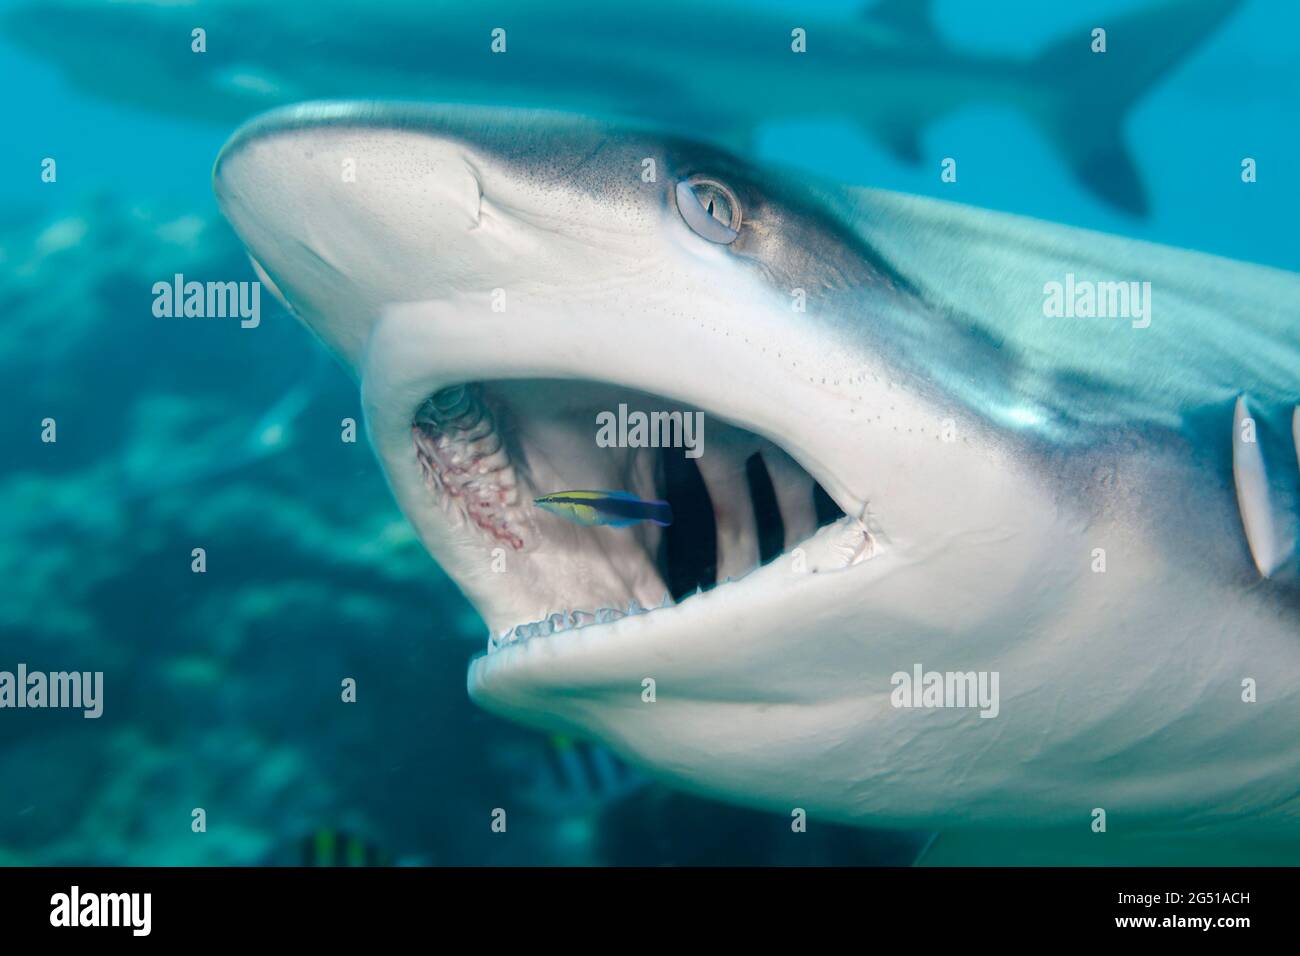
617 509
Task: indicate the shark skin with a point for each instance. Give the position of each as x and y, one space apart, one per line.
691 67
1067 502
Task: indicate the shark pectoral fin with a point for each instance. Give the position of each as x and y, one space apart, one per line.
1271 541
1096 89
1295 434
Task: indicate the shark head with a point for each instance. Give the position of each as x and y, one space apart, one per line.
505 285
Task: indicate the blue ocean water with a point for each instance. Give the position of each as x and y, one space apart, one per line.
224 687
1235 96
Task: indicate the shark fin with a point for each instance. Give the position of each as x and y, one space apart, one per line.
1096 89
1268 497
1295 433
911 17
901 134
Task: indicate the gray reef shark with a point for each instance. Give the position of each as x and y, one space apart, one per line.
711 70
1095 515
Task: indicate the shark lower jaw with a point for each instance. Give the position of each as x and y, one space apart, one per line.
750 521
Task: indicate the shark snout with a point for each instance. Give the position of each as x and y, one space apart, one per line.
347 219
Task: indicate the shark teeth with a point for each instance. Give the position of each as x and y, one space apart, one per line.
844 544
568 621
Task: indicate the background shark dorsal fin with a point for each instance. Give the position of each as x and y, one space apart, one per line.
911 17
1090 95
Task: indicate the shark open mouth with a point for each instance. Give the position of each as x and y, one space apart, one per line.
487 449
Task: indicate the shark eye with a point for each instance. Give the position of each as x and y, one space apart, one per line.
709 208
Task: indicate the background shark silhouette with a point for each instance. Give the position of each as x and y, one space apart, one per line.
692 67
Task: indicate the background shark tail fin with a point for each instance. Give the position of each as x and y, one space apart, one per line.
1096 89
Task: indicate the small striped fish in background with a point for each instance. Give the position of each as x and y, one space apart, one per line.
330 848
568 777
